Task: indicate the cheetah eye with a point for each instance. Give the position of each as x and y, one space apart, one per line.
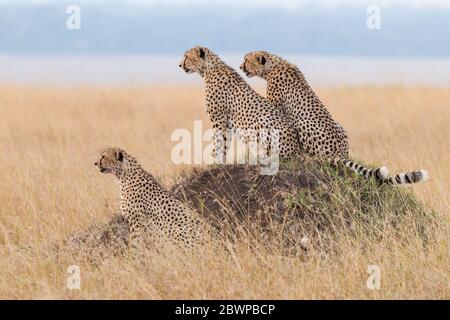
188 59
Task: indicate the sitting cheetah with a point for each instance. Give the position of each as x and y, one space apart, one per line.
151 211
319 134
233 105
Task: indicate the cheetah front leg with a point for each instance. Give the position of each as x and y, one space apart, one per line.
221 142
138 231
269 155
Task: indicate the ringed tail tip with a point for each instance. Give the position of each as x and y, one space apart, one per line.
424 175
384 172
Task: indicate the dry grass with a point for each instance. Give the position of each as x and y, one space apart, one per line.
50 137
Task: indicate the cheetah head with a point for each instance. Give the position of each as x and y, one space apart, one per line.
195 60
257 63
113 160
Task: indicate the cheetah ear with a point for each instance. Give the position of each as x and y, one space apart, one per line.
201 53
261 59
119 156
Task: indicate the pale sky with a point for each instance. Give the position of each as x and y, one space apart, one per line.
262 3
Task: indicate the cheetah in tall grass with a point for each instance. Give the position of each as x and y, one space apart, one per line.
151 211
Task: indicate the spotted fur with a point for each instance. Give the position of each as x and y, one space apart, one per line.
151 211
233 105
319 134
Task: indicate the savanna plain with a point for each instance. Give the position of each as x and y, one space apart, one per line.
49 188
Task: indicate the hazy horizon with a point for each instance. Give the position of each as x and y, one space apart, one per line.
141 42
163 69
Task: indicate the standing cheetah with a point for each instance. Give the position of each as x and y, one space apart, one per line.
319 134
151 211
233 105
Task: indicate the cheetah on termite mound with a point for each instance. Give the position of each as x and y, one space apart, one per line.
233 105
150 211
319 133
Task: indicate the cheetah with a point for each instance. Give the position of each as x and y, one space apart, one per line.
319 133
233 105
150 211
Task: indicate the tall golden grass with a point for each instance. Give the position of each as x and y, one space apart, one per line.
49 188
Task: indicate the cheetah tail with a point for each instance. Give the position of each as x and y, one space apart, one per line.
381 174
408 177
